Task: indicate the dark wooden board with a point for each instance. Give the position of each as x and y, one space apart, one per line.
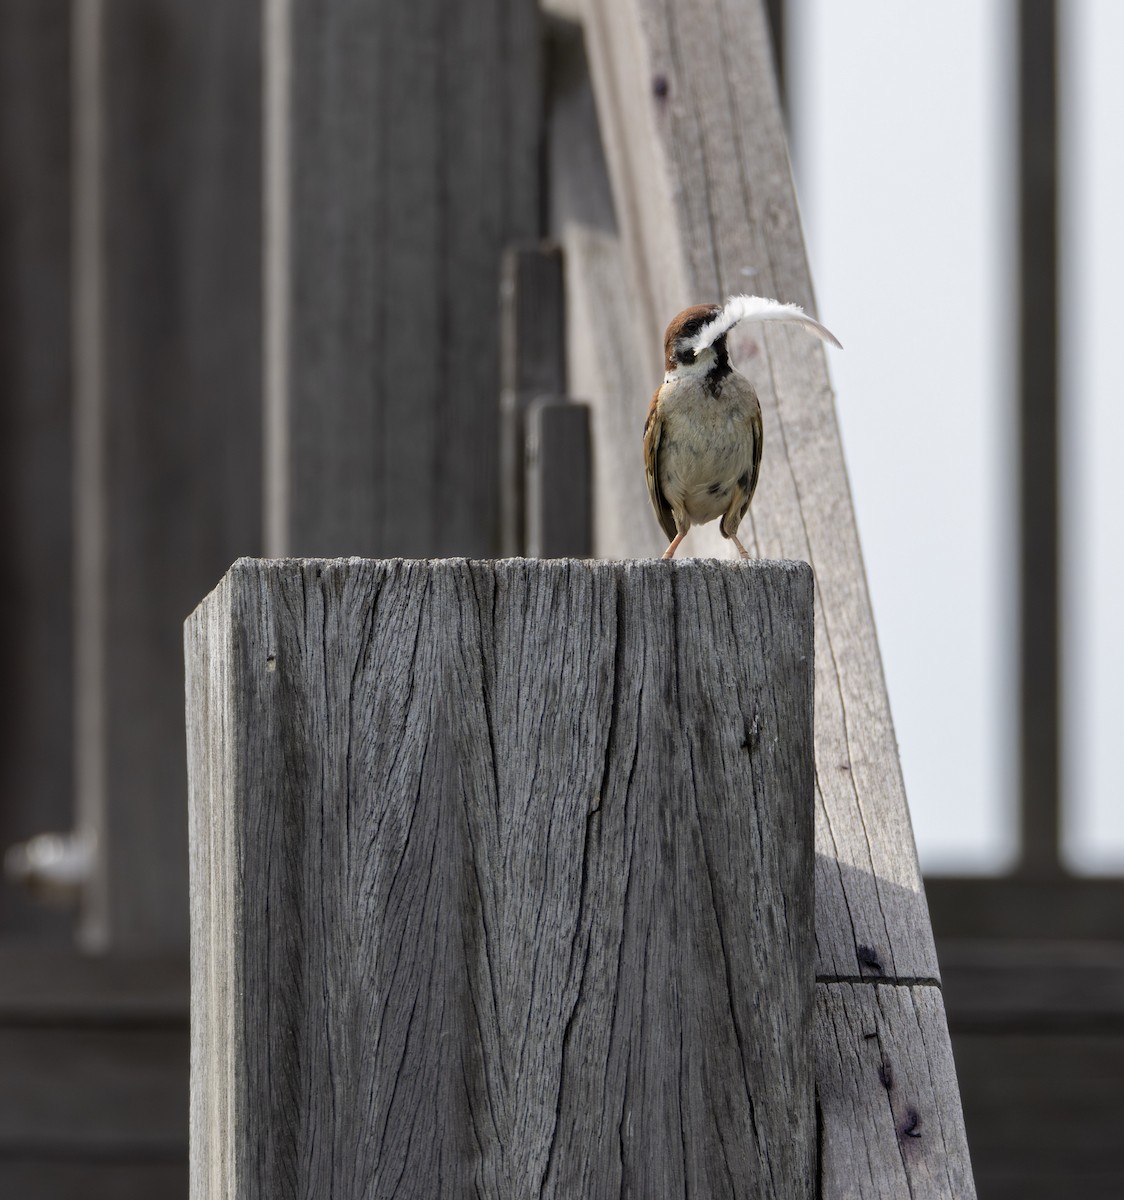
1006 986
1027 908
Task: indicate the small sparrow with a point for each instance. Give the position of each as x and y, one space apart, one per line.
702 439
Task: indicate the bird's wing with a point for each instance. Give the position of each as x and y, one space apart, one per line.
653 435
739 502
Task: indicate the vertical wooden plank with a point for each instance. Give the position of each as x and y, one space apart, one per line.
1039 527
607 364
577 185
502 879
169 266
605 360
410 159
532 365
36 759
90 523
559 480
775 10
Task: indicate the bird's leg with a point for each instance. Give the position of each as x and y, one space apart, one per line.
742 551
670 551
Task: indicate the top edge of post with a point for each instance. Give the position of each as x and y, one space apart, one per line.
264 568
257 565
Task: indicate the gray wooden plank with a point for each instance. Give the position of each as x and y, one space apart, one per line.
559 480
607 362
891 1124
577 184
502 878
405 144
695 145
605 365
170 415
36 644
532 366
211 734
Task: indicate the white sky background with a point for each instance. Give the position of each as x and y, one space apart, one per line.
903 163
904 148
1093 387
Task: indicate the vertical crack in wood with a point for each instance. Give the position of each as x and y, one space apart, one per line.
389 975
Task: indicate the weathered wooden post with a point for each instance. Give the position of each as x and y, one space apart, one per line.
502 880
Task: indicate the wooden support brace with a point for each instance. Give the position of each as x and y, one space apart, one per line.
559 480
532 365
502 880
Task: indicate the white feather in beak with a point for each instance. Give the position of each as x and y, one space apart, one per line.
757 308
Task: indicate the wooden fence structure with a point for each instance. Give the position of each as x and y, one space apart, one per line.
405 153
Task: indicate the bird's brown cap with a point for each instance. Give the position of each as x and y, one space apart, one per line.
685 326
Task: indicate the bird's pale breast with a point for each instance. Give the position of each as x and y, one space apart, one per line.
708 443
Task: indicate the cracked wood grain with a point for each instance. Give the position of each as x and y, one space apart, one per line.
502 880
886 1089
